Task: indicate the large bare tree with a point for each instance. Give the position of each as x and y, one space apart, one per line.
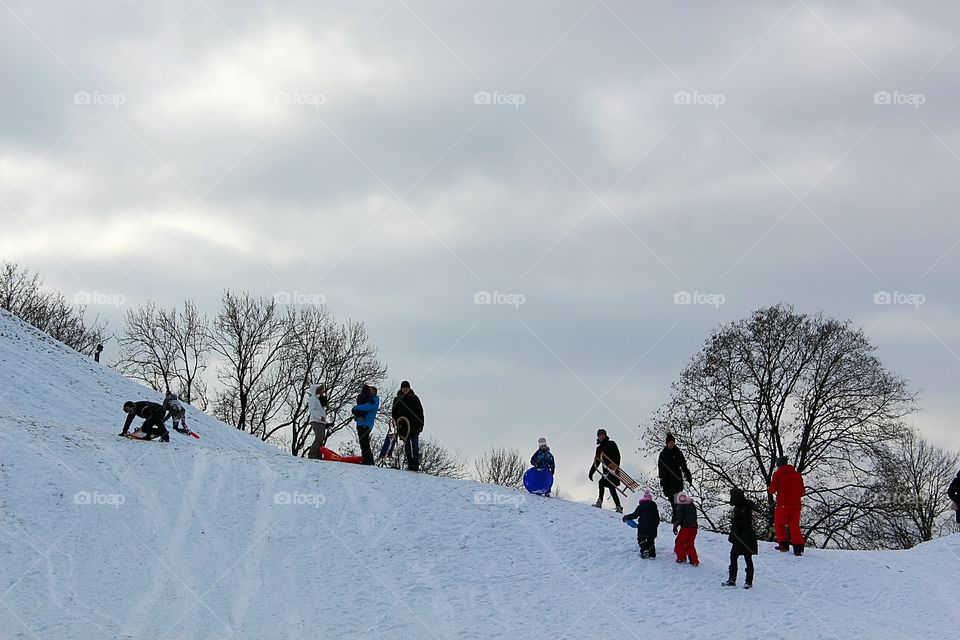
783 383
251 336
167 349
23 295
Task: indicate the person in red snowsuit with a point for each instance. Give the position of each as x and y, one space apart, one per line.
787 485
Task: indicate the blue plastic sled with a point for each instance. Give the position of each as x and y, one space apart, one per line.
632 523
538 481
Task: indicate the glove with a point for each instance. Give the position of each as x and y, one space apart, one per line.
624 518
591 475
675 529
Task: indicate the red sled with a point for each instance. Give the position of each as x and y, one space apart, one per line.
333 456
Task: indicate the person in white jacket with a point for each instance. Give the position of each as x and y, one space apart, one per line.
317 416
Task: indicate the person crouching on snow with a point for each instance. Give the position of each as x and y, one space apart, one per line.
647 516
543 459
685 522
152 413
175 410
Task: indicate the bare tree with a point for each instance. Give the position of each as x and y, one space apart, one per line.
167 350
782 383
22 294
501 466
907 501
320 350
251 336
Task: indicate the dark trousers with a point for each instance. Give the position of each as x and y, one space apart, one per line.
319 439
363 433
153 426
606 484
411 449
648 547
670 493
748 558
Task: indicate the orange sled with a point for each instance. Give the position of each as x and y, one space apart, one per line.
330 454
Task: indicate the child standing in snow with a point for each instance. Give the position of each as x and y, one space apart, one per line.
742 537
542 458
647 516
685 521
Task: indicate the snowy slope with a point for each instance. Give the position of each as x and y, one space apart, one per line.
226 537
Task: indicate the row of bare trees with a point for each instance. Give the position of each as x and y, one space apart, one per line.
22 293
811 388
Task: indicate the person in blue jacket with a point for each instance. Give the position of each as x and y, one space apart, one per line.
647 516
365 413
542 458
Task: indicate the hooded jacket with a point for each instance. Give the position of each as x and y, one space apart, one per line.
685 515
316 407
787 484
742 536
954 490
368 410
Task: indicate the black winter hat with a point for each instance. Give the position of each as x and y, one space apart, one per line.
782 460
601 432
670 438
405 384
736 495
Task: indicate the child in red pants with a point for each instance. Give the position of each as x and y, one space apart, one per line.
685 521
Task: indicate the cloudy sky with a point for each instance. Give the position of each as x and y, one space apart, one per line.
581 166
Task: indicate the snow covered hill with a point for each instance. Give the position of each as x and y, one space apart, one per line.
226 537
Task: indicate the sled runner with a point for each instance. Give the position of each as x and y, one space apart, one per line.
623 476
389 452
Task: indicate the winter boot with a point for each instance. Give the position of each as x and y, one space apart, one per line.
798 549
598 504
749 585
732 580
165 437
749 582
620 510
783 546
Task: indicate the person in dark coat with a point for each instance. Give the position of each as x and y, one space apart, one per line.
742 538
787 484
607 453
954 493
407 413
685 528
672 468
647 516
152 414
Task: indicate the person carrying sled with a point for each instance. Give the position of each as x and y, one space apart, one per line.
407 413
152 414
672 468
787 485
954 493
607 453
543 459
742 538
317 418
365 414
173 409
647 516
685 528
